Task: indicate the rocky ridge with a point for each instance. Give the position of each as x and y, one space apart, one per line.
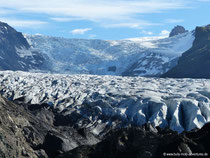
195 62
177 30
29 131
16 53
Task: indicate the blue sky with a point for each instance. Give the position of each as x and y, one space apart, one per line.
103 19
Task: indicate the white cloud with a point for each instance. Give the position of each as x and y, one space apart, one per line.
91 8
107 12
7 11
136 24
147 32
61 19
3 12
130 25
23 23
164 33
80 31
38 34
174 21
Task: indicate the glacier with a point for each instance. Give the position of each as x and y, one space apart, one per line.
146 56
99 101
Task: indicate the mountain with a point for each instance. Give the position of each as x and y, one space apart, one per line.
150 56
147 56
97 102
177 30
195 62
161 56
15 52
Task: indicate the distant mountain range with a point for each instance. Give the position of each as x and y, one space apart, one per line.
146 56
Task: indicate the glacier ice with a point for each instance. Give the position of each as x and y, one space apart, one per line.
181 104
146 56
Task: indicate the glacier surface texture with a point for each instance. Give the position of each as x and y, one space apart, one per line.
181 104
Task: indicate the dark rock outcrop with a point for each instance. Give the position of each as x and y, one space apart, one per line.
15 52
20 132
55 143
177 30
29 131
195 62
112 68
146 143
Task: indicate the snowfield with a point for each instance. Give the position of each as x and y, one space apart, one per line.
181 104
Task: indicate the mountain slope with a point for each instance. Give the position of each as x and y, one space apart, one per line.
15 52
195 62
20 131
28 131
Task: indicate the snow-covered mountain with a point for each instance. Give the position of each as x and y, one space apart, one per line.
97 101
148 56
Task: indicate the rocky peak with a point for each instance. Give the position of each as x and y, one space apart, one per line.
9 36
177 30
5 28
15 51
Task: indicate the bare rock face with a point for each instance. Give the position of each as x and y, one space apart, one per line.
55 143
195 62
177 30
15 51
19 137
29 131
